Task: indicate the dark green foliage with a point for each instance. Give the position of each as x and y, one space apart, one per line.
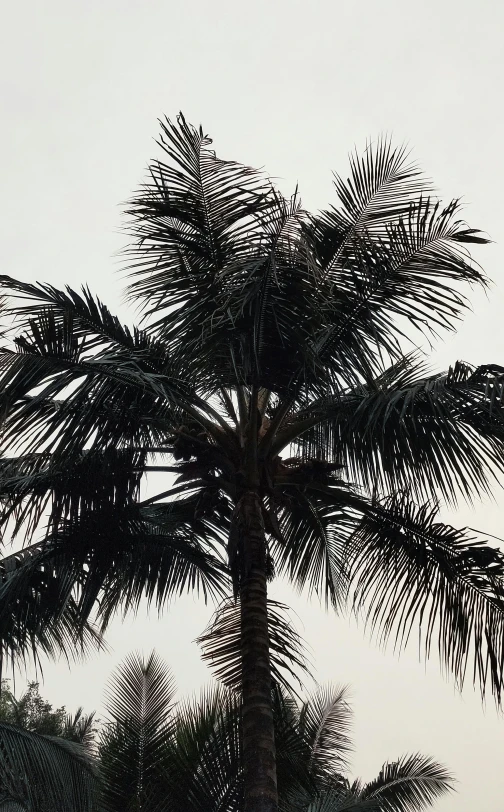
52 767
156 754
265 329
135 741
31 711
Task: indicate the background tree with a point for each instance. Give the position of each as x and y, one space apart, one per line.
33 713
157 754
42 773
268 332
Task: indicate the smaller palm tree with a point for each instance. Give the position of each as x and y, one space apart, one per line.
155 754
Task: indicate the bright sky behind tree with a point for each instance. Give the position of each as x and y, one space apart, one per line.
292 87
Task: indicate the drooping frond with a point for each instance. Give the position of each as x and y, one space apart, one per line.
221 645
36 487
37 770
410 569
160 558
38 612
106 561
317 514
410 784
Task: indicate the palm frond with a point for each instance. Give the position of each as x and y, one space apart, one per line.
324 722
408 785
54 399
381 288
44 486
7 805
87 324
431 433
159 560
221 645
408 568
203 769
341 800
105 561
38 612
80 727
36 769
294 779
139 702
270 307
383 184
89 317
317 517
187 219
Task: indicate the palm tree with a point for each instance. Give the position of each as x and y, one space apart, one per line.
159 755
271 372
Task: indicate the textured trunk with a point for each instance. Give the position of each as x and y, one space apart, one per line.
258 732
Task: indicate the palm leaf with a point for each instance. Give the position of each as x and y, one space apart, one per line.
294 778
383 183
80 728
203 768
390 258
38 612
188 218
76 377
221 646
409 568
408 785
105 561
430 433
266 315
317 518
37 486
139 703
341 800
325 720
37 768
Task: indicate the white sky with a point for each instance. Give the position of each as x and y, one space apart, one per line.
291 86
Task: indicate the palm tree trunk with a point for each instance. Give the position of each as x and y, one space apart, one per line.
257 719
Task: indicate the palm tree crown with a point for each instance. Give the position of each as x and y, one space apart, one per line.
272 376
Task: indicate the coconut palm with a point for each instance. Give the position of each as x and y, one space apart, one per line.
273 377
159 755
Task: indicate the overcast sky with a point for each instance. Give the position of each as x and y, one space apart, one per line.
290 86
